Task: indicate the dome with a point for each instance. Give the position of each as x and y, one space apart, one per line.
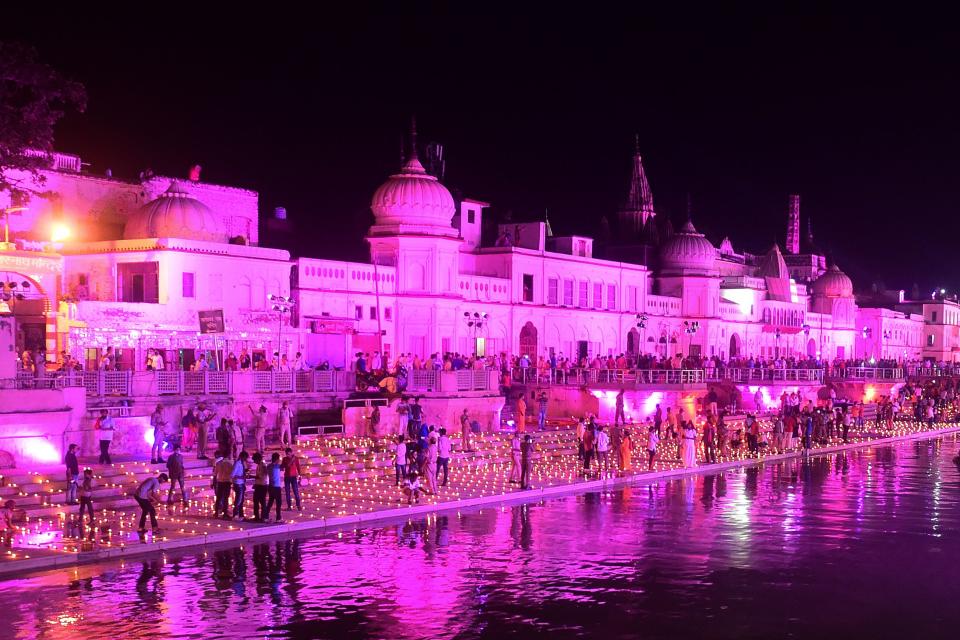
174 214
688 250
833 284
414 199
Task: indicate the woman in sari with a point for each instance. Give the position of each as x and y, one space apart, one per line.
626 451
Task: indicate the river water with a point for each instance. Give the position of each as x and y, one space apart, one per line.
862 544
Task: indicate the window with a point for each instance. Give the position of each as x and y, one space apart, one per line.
584 292
597 295
138 282
612 297
188 289
388 314
373 313
527 287
553 293
930 340
568 293
358 312
471 216
632 298
933 317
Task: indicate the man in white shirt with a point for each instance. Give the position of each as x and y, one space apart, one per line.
603 449
146 494
284 416
376 363
400 461
443 456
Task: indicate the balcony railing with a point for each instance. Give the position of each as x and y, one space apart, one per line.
866 373
656 377
933 372
746 375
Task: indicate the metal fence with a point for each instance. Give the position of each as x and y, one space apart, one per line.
866 373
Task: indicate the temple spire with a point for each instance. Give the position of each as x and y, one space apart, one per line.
413 137
638 207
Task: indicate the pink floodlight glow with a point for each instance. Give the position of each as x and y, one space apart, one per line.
38 449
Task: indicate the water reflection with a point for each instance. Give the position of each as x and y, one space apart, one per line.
795 547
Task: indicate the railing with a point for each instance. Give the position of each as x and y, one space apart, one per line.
51 380
765 375
933 372
615 377
866 373
423 380
473 380
303 381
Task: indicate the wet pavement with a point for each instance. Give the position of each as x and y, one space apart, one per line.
863 543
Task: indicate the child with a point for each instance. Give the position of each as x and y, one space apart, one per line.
86 495
411 487
652 440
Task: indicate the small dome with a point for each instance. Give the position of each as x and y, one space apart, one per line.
688 250
833 284
414 198
773 265
175 214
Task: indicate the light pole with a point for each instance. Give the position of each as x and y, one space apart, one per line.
690 328
475 321
642 325
282 305
777 335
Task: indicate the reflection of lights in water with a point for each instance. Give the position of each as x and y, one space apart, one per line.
65 619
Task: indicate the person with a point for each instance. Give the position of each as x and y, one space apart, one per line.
291 477
846 425
416 418
689 446
259 427
375 421
105 431
236 438
146 494
261 483
224 438
626 452
526 462
588 441
778 433
712 401
521 414
752 440
619 417
653 438
239 478
204 416
515 458
244 360
808 432
284 419
175 471
73 473
411 487
465 431
603 449
403 418
542 410
275 488
658 419
159 424
222 477
710 440
86 495
188 425
443 456
7 528
430 470
400 459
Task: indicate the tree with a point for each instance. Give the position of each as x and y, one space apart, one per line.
33 98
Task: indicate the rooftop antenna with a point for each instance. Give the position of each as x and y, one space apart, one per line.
413 137
689 207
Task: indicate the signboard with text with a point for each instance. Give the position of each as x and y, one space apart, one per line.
211 321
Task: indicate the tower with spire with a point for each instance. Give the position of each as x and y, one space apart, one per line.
638 207
793 225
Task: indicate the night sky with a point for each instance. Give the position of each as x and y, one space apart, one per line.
857 113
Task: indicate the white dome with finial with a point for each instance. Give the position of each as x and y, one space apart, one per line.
688 250
413 201
175 214
833 284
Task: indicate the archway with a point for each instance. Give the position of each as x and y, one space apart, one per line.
812 348
528 341
734 346
23 298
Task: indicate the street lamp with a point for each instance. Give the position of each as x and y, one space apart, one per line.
777 335
690 328
475 322
282 305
